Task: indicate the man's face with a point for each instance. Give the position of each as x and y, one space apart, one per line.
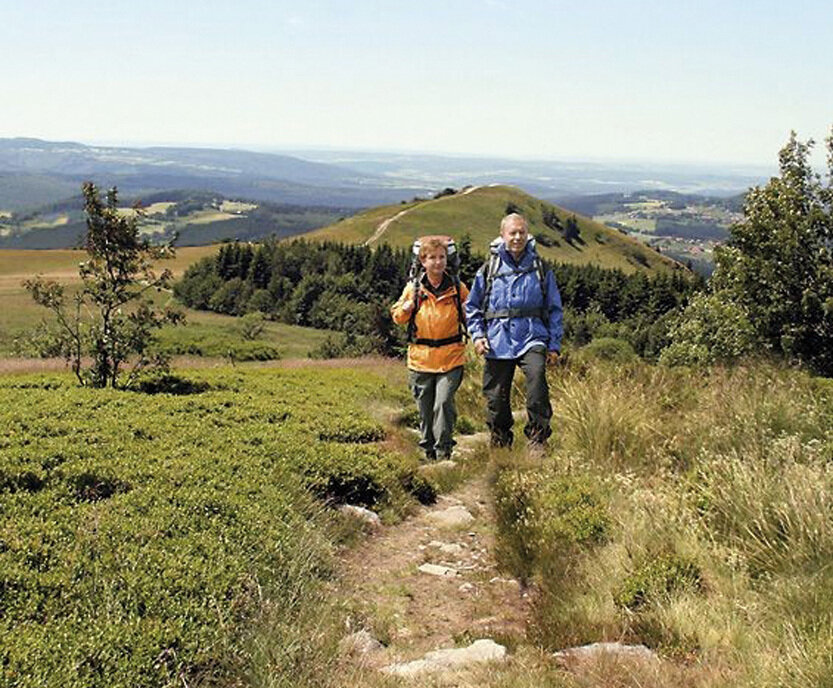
515 235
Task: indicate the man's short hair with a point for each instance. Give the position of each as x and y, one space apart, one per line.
513 217
430 244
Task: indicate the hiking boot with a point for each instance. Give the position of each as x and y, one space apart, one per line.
445 455
430 455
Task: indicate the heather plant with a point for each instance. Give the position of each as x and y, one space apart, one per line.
176 538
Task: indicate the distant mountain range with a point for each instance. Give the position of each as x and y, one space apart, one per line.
295 191
553 180
35 172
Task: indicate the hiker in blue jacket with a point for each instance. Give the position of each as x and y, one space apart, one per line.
514 318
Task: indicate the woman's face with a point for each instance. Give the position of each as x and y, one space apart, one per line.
434 263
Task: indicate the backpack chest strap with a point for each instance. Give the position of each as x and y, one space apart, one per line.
515 271
516 313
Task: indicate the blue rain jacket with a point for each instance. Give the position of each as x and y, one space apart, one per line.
515 285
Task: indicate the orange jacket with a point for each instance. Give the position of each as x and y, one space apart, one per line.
436 318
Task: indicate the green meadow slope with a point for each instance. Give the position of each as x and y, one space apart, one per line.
478 213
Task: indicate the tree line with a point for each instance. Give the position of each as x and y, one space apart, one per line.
349 289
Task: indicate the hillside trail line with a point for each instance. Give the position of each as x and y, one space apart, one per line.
382 227
413 612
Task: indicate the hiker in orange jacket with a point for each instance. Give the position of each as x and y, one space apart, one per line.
437 353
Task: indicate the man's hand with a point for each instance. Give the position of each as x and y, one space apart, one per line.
552 358
481 346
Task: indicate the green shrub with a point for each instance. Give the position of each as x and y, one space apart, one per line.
171 384
656 579
410 418
252 325
611 349
542 517
343 345
352 430
573 510
214 342
465 425
712 329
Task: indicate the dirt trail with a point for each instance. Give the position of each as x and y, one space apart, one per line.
382 227
414 612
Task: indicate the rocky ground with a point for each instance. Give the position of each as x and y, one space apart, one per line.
429 606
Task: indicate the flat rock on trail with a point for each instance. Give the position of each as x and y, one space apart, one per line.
415 611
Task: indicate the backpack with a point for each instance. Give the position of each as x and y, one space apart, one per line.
491 266
415 275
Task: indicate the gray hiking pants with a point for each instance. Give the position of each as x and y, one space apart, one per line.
434 394
497 386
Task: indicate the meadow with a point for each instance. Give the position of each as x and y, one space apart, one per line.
182 533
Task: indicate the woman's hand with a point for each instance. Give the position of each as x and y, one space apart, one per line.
481 346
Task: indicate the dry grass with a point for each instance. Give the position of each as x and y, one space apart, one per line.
726 469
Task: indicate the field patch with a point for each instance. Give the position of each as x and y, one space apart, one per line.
237 206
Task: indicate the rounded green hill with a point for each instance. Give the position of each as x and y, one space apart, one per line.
477 211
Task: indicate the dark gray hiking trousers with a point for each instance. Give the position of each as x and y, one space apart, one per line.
497 386
434 394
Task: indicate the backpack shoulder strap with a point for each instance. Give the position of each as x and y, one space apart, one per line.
411 331
541 271
490 267
458 300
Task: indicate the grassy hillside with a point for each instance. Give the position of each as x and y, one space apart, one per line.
204 331
478 213
17 309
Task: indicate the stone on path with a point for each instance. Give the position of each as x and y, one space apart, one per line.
505 581
453 517
484 650
358 644
595 650
466 587
447 548
436 570
359 512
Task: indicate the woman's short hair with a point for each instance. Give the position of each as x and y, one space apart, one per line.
430 244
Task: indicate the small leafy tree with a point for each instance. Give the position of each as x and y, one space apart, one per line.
778 264
772 287
110 320
252 326
712 329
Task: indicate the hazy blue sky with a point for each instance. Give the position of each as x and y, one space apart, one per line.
702 81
